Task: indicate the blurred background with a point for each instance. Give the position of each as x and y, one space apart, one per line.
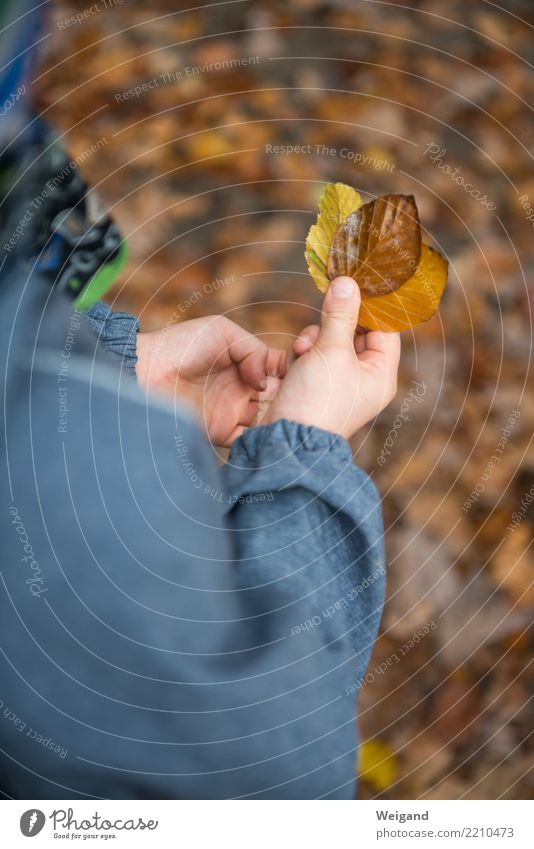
210 133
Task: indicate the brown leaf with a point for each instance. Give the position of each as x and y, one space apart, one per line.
343 255
379 245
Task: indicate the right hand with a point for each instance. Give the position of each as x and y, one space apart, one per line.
338 382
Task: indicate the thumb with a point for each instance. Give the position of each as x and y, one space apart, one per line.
341 307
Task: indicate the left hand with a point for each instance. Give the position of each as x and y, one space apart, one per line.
221 369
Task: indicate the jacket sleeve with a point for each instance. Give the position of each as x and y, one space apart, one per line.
116 332
169 630
308 523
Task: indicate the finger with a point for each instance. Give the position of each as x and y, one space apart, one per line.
255 361
276 362
341 307
360 344
383 351
249 354
306 340
273 385
379 344
291 357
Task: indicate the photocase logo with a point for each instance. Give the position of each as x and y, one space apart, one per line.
32 822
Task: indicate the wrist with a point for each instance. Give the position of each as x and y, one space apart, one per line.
310 418
142 366
153 369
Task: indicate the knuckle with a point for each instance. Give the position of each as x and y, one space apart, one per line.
341 316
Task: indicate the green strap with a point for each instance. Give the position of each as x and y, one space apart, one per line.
99 284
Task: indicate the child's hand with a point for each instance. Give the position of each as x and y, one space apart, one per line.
338 382
215 365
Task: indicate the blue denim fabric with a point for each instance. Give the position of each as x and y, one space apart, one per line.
169 629
116 331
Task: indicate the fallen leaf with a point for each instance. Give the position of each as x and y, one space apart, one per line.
513 566
379 245
377 764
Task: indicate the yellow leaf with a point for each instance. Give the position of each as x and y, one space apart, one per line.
337 202
210 144
415 301
377 764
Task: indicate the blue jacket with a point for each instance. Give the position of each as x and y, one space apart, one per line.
169 629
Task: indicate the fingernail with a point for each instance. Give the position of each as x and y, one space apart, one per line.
263 384
344 287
